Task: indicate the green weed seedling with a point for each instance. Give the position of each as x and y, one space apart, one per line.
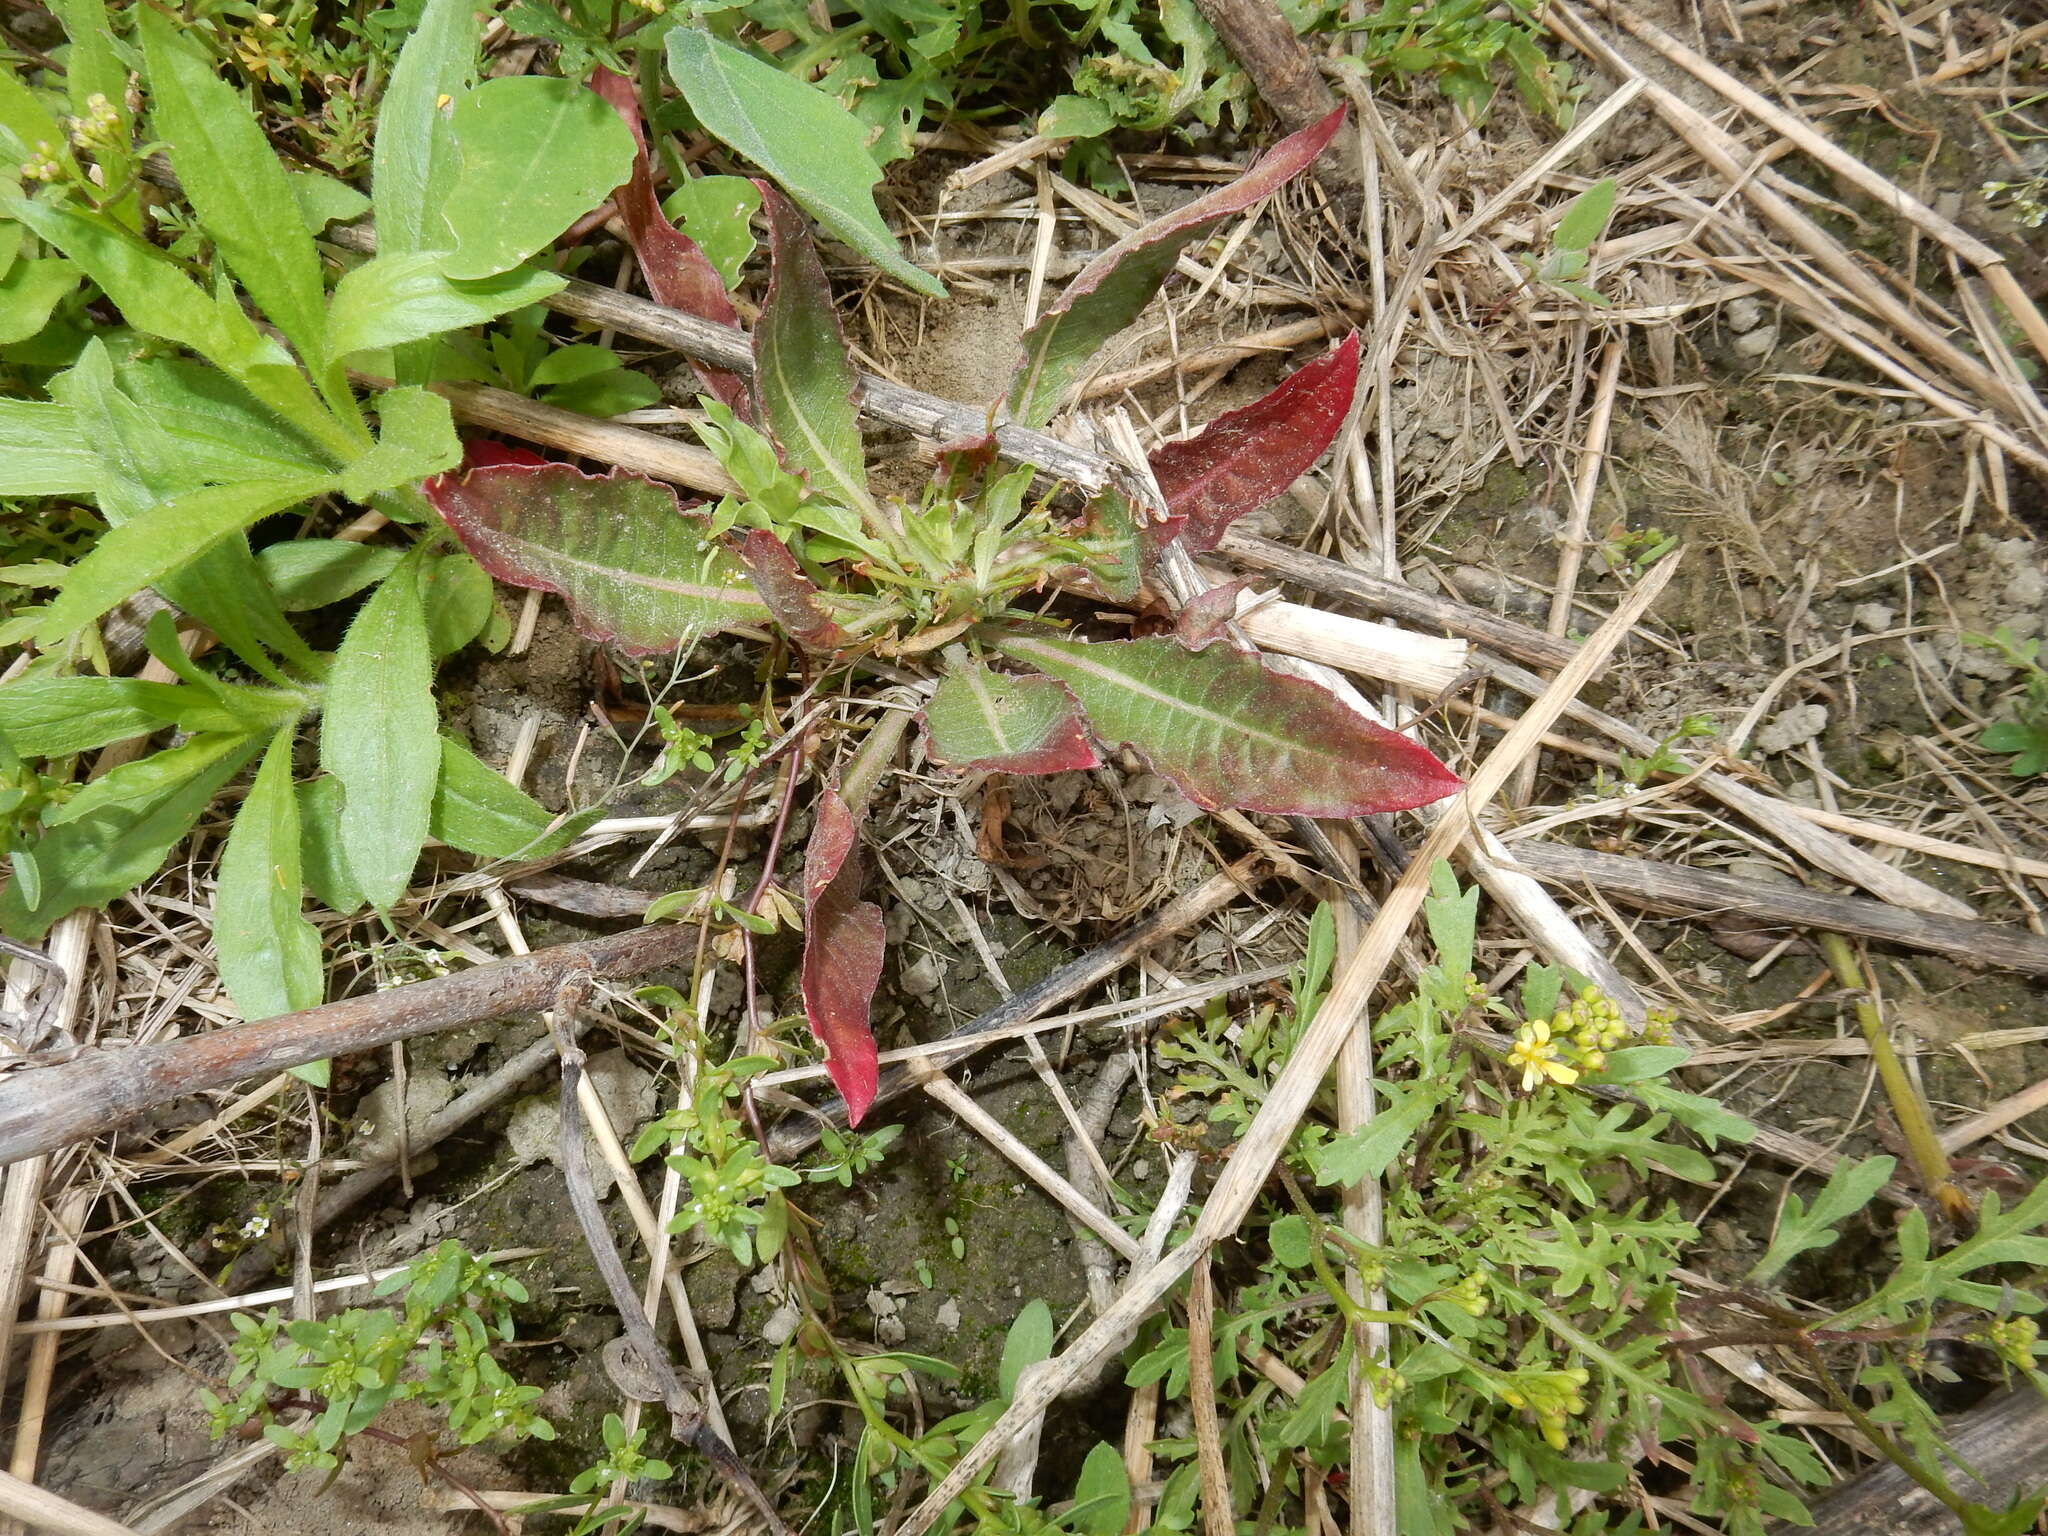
2024 733
1534 1224
1564 266
1464 45
433 1348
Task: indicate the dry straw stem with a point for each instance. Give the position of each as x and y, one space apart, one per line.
1838 160
1343 1011
1217 1516
1760 188
42 1511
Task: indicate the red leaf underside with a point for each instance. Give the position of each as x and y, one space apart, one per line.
1110 292
1241 461
842 961
791 596
1229 731
982 721
678 272
1206 619
633 565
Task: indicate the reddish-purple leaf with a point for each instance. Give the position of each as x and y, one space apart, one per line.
791 596
804 382
981 720
842 961
961 465
1111 291
1239 462
1205 619
679 274
1231 732
632 564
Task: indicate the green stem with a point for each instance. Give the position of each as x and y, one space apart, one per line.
1916 1126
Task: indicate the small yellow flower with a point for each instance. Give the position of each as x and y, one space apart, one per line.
1537 1057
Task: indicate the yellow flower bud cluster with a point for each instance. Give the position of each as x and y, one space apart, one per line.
1577 1037
1469 1295
2012 1339
1554 1397
99 130
43 165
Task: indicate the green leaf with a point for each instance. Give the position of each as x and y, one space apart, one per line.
1102 1493
1228 731
28 292
269 953
145 549
1361 1156
327 872
1075 117
1453 919
56 716
1315 1407
981 720
1585 217
152 291
311 573
381 738
46 456
1113 289
325 200
633 565
1289 1239
804 382
799 135
718 213
1028 1342
393 299
480 811
537 154
235 184
1643 1063
414 161
1851 1187
415 438
148 806
460 599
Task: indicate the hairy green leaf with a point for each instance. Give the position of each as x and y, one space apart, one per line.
982 720
415 438
631 563
480 811
804 382
269 953
145 549
414 163
1229 731
537 154
46 456
29 291
1028 1342
311 573
392 299
56 716
149 806
799 135
326 870
1585 217
381 737
235 184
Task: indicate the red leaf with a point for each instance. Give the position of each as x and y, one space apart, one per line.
1206 619
1111 291
842 961
791 596
1230 731
1239 462
633 565
679 274
488 453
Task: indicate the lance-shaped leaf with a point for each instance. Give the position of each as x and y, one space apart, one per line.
1239 462
1111 291
269 954
842 954
981 720
632 564
791 596
1231 732
678 272
798 134
804 383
